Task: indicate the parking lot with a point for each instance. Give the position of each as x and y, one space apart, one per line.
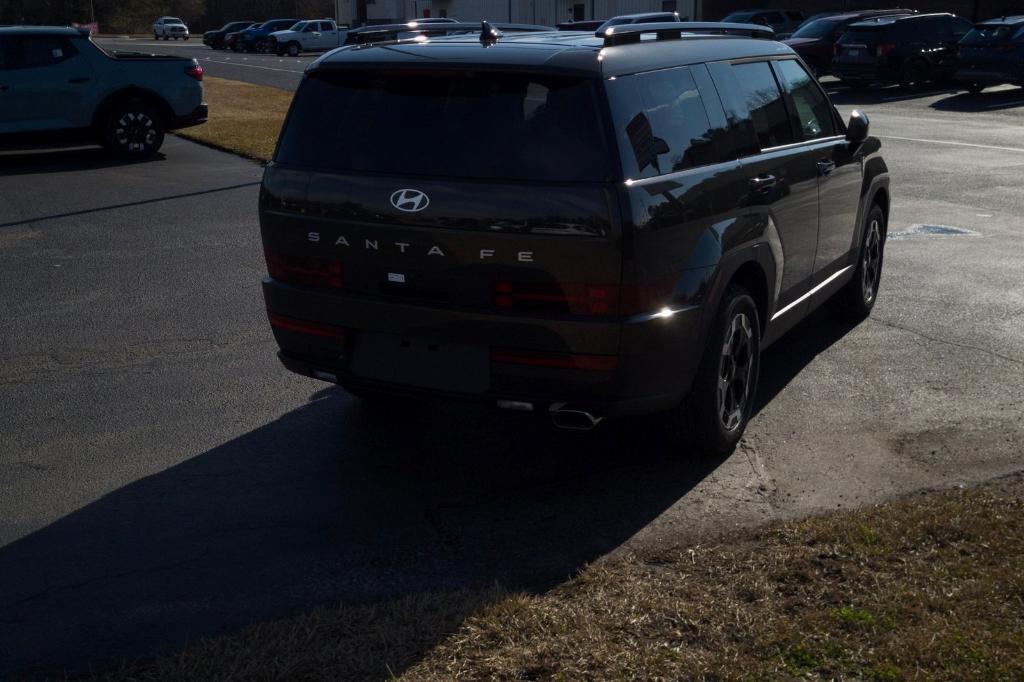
165 479
260 69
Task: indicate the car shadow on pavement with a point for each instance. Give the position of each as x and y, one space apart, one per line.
28 162
785 359
983 101
336 501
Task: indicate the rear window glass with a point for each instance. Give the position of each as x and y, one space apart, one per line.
819 28
453 123
671 133
862 35
988 34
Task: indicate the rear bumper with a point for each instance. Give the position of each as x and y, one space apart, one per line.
654 358
865 72
193 118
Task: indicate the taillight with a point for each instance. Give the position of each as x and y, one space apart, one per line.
884 49
1005 48
574 298
304 271
554 297
598 363
194 71
290 324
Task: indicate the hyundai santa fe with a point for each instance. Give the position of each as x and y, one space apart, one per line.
597 226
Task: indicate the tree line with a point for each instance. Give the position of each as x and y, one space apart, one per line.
136 16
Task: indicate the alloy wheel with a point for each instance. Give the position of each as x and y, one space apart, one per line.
735 370
871 261
135 132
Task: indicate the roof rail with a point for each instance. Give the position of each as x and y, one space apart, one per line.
675 30
391 32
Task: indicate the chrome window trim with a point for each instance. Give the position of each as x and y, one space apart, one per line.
803 143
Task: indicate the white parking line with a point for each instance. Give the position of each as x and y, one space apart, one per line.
955 144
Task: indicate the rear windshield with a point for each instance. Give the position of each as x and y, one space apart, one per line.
453 123
981 35
863 35
819 28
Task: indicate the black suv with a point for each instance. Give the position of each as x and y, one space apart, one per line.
909 50
597 226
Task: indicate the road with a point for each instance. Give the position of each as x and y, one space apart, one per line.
260 69
162 478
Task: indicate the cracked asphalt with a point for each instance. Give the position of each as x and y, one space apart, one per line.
162 478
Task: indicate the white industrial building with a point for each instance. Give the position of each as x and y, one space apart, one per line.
547 12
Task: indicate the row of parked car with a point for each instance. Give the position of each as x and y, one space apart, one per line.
860 47
902 46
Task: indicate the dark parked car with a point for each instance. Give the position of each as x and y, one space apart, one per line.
992 53
815 41
903 49
595 227
215 39
254 38
646 18
780 20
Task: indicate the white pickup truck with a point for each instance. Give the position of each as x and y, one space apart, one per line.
314 35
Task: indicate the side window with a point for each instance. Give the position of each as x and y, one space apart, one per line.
661 122
763 99
33 52
812 109
326 27
774 18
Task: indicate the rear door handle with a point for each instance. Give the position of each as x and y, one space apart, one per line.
763 183
80 79
826 166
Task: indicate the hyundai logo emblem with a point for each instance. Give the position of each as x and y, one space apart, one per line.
409 200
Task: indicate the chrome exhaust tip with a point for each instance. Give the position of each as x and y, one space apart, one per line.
573 419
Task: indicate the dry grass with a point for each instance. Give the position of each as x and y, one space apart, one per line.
244 118
929 587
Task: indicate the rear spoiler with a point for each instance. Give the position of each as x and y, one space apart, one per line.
392 32
676 30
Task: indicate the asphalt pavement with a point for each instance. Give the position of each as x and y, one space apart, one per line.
162 478
259 69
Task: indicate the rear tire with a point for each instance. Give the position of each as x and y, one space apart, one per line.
133 130
856 299
293 49
712 418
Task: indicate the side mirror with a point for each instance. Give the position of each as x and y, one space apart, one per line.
857 128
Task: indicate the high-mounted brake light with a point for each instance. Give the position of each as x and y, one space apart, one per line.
194 71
